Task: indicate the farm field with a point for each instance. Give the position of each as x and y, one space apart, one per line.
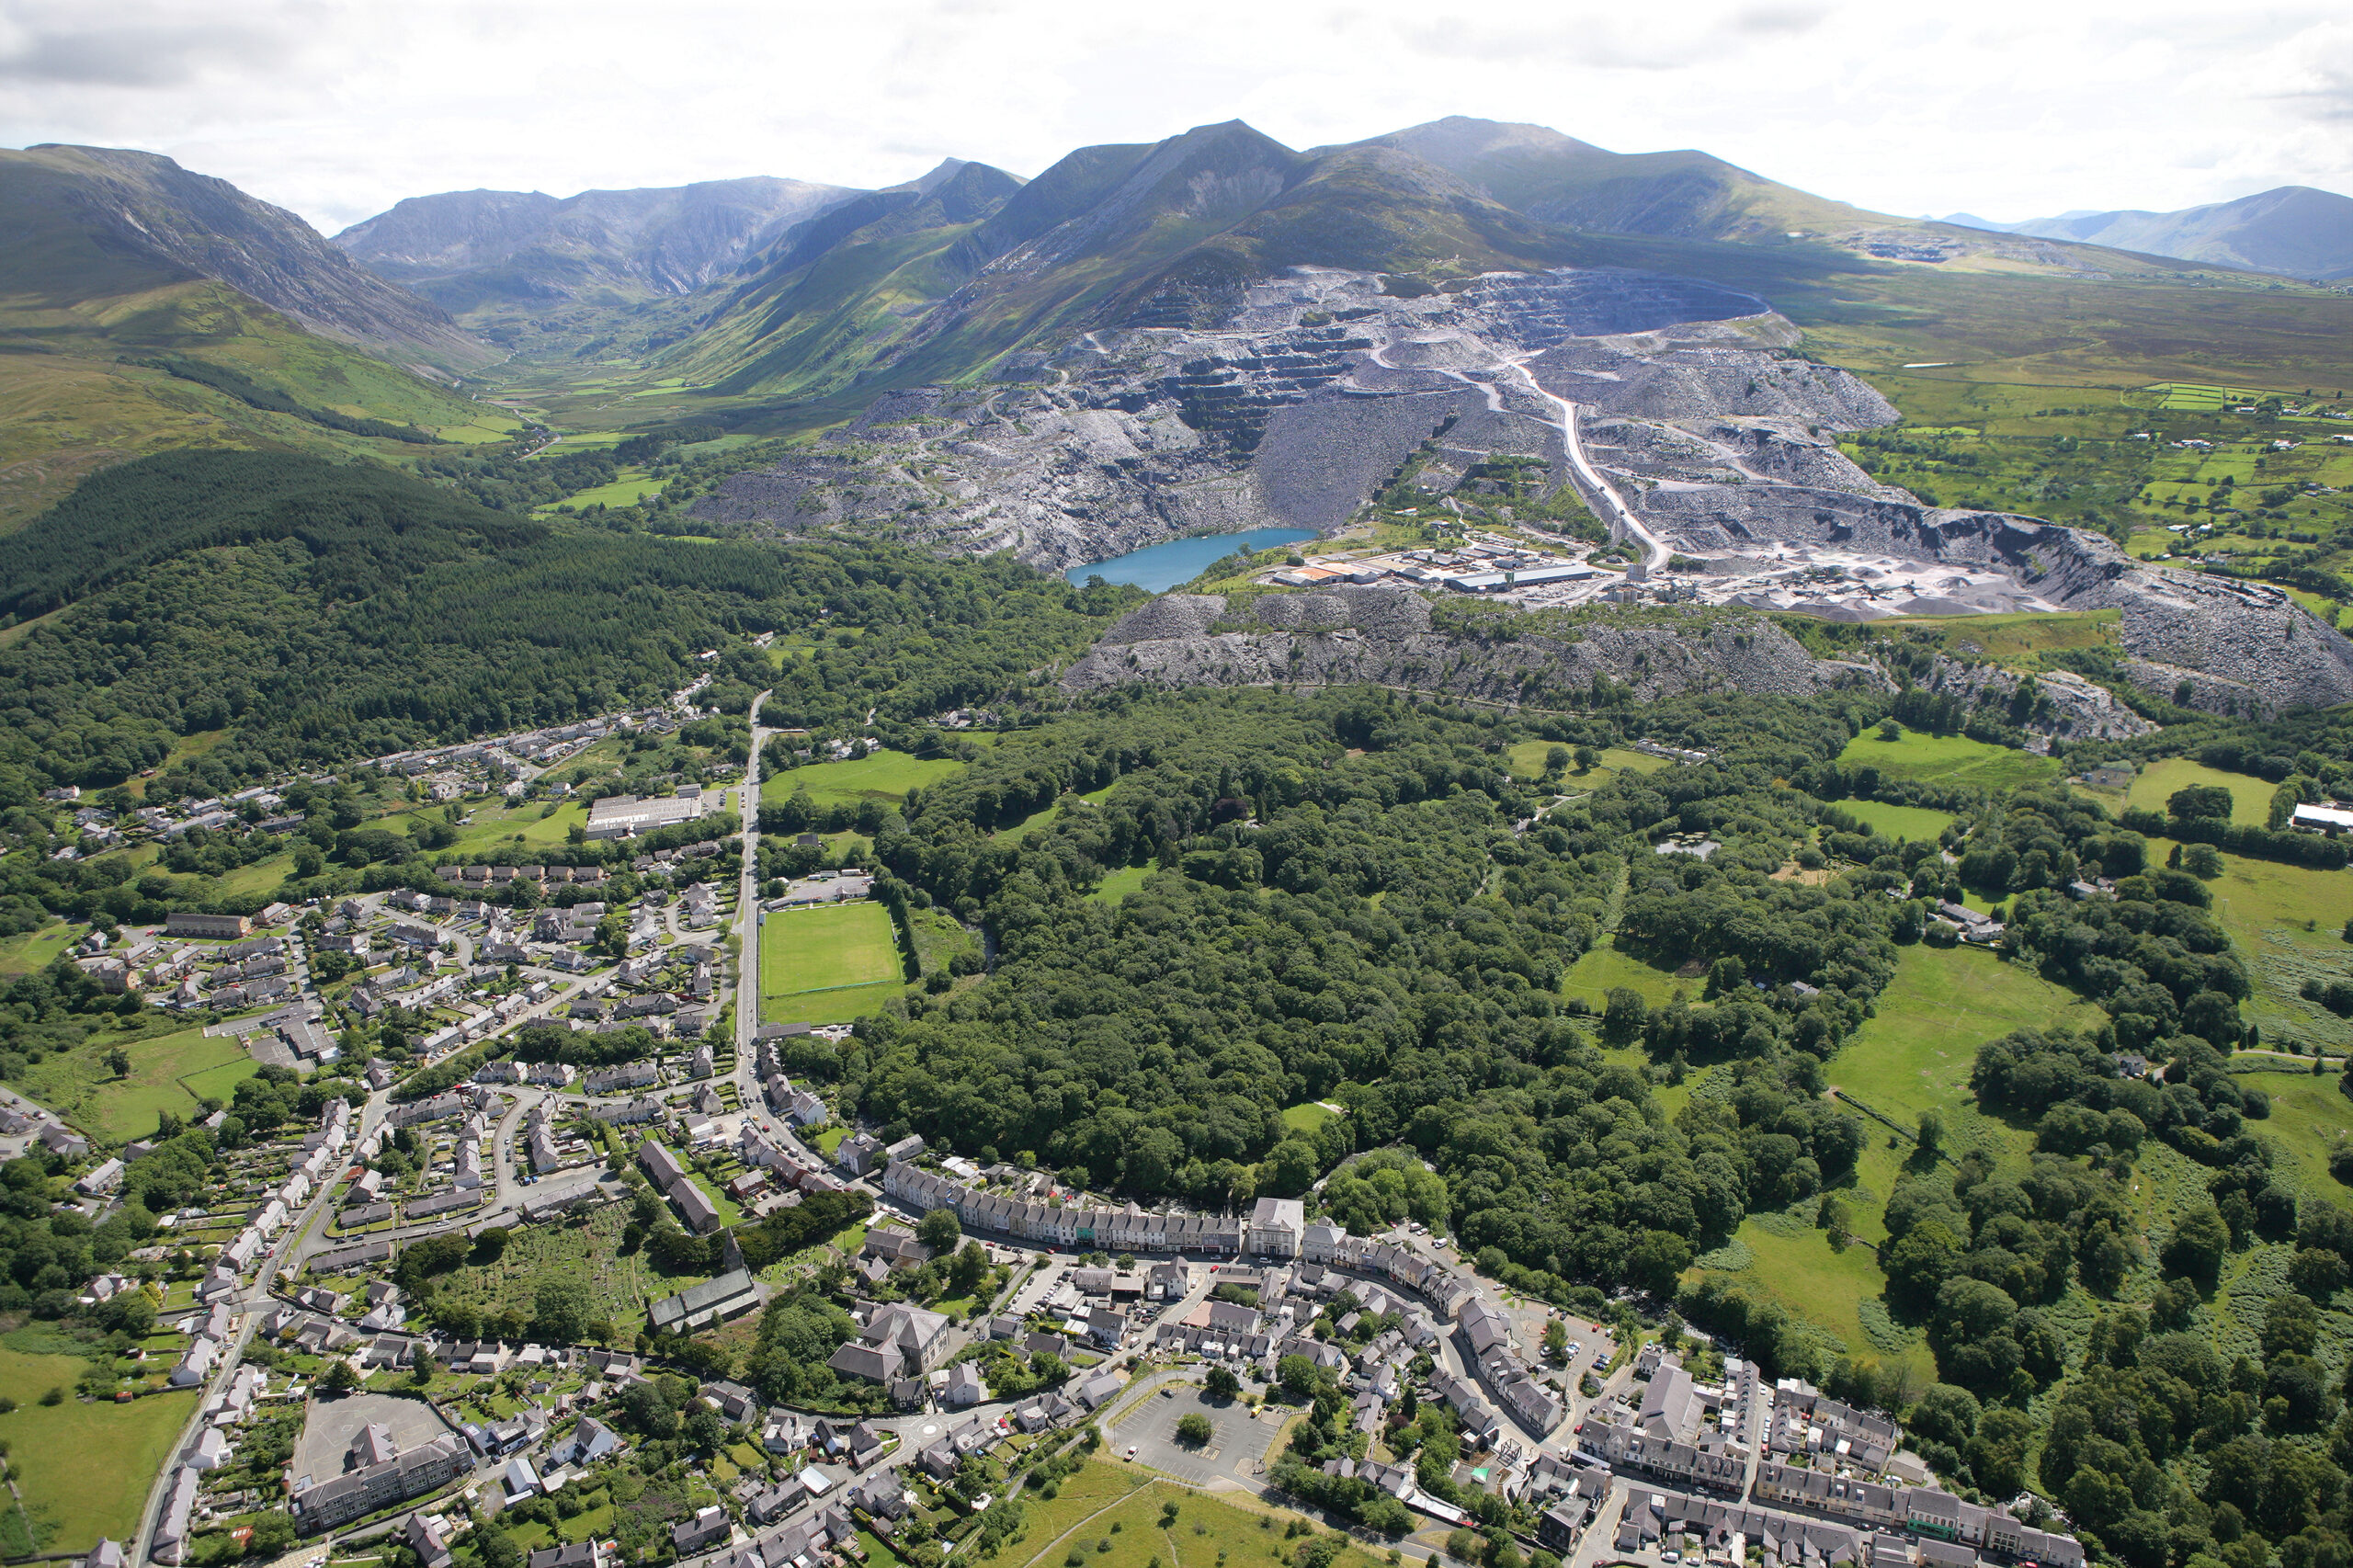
2266 907
2250 796
83 1469
1915 1055
826 965
1949 759
1526 761
2309 1116
168 1071
1897 822
1944 1003
1794 1262
631 486
885 776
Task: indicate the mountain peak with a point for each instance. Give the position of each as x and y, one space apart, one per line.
1461 137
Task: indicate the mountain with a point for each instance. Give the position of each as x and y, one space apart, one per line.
2294 229
468 248
1684 194
899 291
82 222
145 308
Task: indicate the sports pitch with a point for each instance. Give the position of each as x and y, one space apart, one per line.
827 965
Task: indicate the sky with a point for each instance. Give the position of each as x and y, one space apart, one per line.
2006 110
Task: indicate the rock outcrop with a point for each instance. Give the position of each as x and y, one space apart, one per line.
1388 637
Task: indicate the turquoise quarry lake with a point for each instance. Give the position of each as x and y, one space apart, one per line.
1160 567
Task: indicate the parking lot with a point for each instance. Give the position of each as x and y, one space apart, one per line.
1236 1448
334 1424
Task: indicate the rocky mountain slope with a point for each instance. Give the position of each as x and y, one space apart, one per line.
1389 636
468 248
1290 407
2294 229
83 222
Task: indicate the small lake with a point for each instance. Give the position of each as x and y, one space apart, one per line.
1160 567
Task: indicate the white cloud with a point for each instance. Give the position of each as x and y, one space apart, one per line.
337 109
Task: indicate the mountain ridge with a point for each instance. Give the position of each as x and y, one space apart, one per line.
463 248
2294 231
88 221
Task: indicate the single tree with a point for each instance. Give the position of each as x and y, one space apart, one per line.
1220 1383
1193 1430
938 1231
118 1062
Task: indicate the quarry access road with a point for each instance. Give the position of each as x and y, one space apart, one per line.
1621 518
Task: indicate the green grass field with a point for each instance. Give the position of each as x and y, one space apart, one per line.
1116 885
631 486
2250 796
36 949
1944 1003
1950 759
168 1071
1601 969
885 776
84 1469
1898 822
1210 1532
826 965
1914 1055
493 825
2310 1117
1526 761
2266 907
1307 1116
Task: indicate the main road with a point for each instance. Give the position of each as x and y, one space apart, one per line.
747 962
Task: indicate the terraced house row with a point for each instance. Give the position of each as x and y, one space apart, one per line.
1274 1229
